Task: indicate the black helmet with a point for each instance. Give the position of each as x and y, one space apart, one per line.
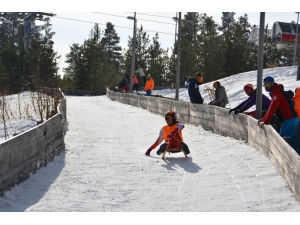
173 114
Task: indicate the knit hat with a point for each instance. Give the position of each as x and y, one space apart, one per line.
249 86
269 79
148 75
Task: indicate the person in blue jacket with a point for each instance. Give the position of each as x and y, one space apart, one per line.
250 101
193 89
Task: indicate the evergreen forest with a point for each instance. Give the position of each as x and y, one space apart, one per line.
216 50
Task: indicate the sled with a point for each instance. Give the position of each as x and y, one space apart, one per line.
174 150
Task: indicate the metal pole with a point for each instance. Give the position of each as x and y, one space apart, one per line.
260 62
175 27
296 39
178 58
133 52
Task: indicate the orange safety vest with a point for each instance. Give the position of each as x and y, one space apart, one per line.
167 130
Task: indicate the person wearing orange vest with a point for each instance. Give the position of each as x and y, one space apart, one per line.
149 85
171 134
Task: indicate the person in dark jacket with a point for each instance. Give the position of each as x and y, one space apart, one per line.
221 96
251 101
193 89
280 100
123 85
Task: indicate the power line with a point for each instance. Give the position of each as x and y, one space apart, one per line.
105 24
153 15
137 19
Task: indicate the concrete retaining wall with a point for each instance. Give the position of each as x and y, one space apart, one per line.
239 126
25 153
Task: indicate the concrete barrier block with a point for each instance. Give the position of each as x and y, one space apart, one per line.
277 153
8 179
207 124
7 147
297 194
21 140
276 163
53 120
288 178
298 180
5 165
259 145
196 121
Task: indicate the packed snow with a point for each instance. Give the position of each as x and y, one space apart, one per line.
104 169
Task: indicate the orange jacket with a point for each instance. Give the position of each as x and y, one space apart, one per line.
149 85
296 99
165 131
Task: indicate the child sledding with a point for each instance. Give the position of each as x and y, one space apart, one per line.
172 135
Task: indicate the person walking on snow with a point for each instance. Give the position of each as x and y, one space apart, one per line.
141 73
280 100
171 134
149 85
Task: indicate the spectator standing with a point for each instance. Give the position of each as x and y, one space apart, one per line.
149 85
193 89
135 82
296 100
221 96
281 101
141 73
186 81
123 85
250 101
254 66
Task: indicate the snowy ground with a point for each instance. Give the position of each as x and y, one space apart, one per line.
21 113
104 169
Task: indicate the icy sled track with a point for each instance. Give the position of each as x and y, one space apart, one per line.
104 169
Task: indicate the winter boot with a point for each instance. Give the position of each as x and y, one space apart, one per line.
185 148
161 149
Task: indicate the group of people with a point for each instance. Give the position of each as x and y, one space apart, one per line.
148 83
282 110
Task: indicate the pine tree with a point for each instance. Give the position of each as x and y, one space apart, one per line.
156 61
190 26
90 65
210 54
42 61
110 43
228 21
12 52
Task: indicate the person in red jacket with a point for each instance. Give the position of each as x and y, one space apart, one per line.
296 99
135 82
280 100
149 85
171 134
